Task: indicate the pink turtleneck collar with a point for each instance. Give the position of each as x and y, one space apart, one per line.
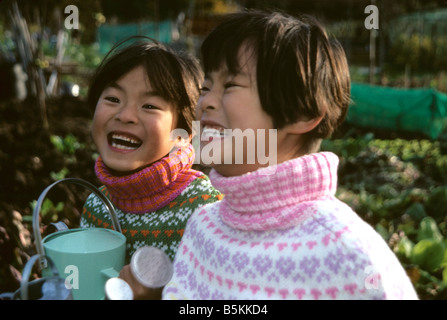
267 198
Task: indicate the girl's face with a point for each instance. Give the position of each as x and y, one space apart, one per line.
232 102
132 123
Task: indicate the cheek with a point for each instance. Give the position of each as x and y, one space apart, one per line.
95 127
161 131
97 123
199 108
174 118
100 120
171 123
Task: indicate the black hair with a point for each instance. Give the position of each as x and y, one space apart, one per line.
300 72
176 76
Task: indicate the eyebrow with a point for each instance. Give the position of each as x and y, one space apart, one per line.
115 86
147 93
240 73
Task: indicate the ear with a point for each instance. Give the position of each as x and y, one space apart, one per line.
180 137
182 141
303 126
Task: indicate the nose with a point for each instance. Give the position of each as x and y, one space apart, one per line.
209 101
127 113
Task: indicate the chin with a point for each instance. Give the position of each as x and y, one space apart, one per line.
232 170
123 169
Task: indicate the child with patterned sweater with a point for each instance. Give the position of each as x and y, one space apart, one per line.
280 232
142 93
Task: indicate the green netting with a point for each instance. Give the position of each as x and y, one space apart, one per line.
108 35
409 110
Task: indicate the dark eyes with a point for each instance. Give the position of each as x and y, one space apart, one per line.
150 107
227 85
116 100
204 89
230 85
112 99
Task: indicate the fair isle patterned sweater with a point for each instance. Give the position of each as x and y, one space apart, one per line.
152 205
284 236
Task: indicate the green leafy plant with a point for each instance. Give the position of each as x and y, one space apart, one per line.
60 174
49 210
400 187
67 145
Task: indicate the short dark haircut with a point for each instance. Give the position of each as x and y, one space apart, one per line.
300 72
176 76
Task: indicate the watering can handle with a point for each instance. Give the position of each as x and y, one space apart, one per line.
27 272
36 212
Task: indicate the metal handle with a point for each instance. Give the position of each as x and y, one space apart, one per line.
27 272
36 212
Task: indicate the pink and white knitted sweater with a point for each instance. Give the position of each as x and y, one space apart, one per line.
284 236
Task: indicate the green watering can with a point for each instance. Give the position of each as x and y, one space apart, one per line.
88 257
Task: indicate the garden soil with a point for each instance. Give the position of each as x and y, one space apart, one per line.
28 160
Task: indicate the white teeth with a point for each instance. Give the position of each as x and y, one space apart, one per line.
215 132
124 142
127 139
120 146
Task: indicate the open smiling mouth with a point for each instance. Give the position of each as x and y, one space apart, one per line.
123 141
209 132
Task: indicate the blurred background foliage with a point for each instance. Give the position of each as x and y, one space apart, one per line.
410 50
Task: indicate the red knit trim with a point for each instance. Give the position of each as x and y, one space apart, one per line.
153 187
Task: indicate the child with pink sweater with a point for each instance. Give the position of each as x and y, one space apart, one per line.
279 232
